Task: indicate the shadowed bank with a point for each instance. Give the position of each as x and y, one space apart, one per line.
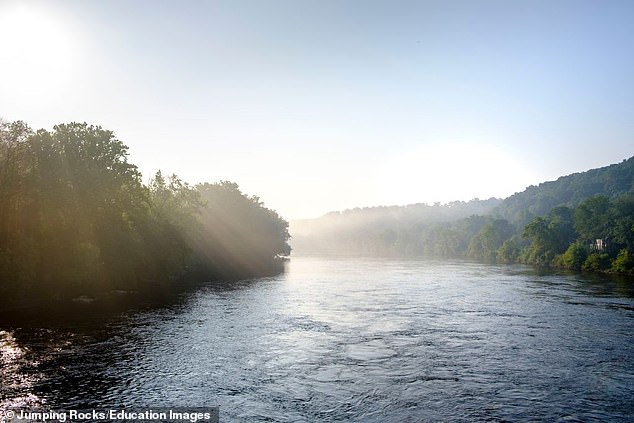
77 223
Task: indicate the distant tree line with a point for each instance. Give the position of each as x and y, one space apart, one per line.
596 235
75 218
366 230
583 221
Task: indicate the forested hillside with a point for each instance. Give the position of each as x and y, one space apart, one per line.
580 221
373 230
75 219
610 181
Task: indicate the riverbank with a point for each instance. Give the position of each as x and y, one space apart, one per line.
147 294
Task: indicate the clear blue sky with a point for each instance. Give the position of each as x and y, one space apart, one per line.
324 105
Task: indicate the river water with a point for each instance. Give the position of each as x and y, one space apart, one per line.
346 340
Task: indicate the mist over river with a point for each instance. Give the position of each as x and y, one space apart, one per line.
346 339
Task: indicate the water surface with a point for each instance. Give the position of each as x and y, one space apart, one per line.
347 340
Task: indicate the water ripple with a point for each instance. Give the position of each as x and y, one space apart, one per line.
349 340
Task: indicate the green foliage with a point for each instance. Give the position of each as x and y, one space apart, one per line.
17 218
592 219
75 217
621 229
596 262
542 249
509 252
561 228
413 230
549 235
575 255
556 223
485 244
240 237
610 181
624 262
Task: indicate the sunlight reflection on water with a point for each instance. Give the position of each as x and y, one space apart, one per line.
18 375
351 340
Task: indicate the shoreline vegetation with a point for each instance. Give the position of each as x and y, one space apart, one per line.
76 222
77 225
581 222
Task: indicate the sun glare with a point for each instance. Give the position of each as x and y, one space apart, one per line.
37 52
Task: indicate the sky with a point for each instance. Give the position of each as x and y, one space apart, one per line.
316 106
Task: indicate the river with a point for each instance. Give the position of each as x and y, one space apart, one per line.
346 339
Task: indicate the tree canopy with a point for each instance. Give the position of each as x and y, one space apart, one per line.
75 219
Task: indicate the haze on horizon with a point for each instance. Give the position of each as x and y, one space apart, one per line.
321 106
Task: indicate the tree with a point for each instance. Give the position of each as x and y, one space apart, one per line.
596 261
550 236
17 219
575 255
561 227
621 230
489 239
541 250
624 262
75 219
90 202
174 210
592 219
240 237
509 251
